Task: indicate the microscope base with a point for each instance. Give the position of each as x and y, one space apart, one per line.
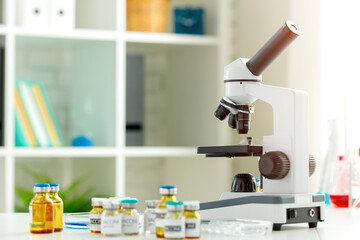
278 208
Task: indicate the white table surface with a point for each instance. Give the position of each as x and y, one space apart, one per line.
339 224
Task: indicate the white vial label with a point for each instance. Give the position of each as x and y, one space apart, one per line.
110 225
174 228
192 227
130 224
160 214
95 222
31 214
150 222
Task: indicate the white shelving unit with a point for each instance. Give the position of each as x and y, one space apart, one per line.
97 49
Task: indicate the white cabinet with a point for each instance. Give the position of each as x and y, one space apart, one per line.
84 72
33 13
62 14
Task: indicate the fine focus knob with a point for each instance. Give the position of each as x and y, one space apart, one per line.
312 165
274 165
243 182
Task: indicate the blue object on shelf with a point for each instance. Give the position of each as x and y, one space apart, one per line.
189 20
82 141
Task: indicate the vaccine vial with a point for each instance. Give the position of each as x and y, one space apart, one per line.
168 193
95 214
110 219
174 222
257 181
130 217
119 199
41 209
192 220
149 216
58 206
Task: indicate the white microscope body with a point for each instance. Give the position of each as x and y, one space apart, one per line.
284 163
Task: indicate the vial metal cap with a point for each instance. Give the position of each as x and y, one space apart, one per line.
192 205
151 203
168 190
41 188
118 199
129 203
97 202
110 204
175 206
54 187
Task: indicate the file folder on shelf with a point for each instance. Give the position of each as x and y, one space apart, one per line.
34 114
24 135
47 113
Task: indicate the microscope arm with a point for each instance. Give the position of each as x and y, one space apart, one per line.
290 133
289 106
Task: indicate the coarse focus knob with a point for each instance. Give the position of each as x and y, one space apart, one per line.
274 165
312 165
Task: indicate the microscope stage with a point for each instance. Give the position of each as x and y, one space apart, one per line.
231 151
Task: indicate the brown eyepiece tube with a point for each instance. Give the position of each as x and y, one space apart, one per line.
273 47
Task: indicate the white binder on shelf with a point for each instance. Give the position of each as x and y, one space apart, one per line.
33 13
62 14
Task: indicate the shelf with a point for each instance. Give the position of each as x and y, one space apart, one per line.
70 71
81 34
3 29
89 152
165 97
2 152
160 151
84 71
104 152
170 39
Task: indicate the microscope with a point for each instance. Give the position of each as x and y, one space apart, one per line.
285 164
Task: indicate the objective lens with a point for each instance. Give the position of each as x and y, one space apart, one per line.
243 123
221 112
232 121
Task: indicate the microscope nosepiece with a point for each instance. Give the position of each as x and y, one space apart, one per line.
239 115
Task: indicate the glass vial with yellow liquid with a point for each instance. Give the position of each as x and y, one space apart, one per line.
258 185
130 217
149 216
58 206
119 199
174 222
41 209
192 220
167 195
95 214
